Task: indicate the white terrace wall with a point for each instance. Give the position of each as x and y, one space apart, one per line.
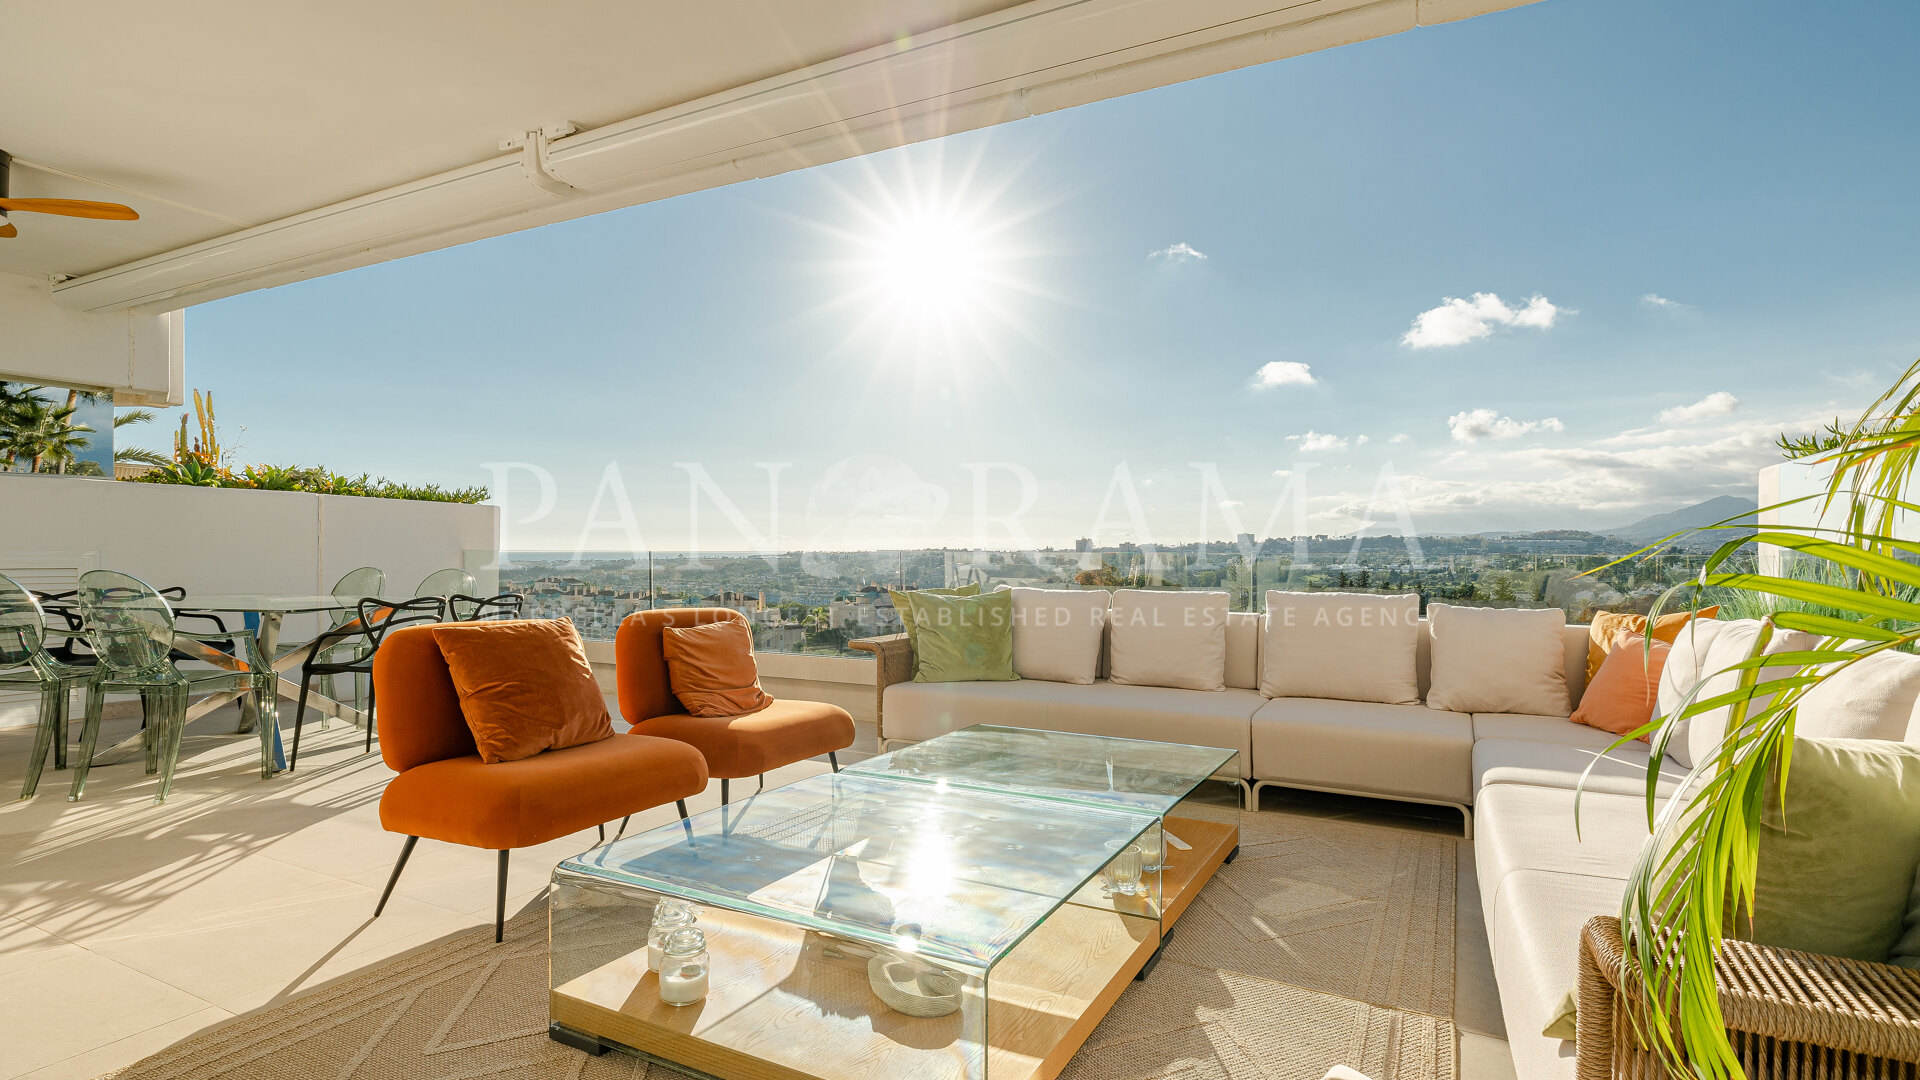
1805 480
221 540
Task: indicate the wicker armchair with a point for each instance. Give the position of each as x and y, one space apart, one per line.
893 662
1791 1014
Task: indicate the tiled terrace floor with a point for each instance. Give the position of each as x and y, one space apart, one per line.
125 927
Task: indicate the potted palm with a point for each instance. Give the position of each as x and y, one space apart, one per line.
1856 591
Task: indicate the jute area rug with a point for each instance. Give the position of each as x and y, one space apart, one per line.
1325 943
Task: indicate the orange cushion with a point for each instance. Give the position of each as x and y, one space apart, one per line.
784 732
525 686
1622 696
1607 626
711 669
522 803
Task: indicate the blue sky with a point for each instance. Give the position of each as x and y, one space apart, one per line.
1712 202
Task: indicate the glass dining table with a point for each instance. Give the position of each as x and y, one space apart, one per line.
264 613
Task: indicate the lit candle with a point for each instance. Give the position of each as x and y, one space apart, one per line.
683 967
685 986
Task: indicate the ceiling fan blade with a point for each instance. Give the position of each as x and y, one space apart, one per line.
8 232
105 211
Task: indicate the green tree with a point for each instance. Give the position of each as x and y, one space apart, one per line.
135 455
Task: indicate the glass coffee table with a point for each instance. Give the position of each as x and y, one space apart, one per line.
1193 791
886 921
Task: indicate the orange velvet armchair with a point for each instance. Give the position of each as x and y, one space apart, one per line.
734 746
445 792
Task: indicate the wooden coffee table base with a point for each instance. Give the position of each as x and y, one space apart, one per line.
792 1016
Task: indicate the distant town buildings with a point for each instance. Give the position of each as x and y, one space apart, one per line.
870 610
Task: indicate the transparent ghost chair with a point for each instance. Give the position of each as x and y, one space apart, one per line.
25 664
132 631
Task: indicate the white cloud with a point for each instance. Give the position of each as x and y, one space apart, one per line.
1402 437
1718 403
1363 440
1228 504
1283 373
1178 253
1282 474
1477 424
1314 442
1655 300
1602 483
1457 321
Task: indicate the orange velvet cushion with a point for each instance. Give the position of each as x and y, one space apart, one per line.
711 669
1607 626
525 686
1622 695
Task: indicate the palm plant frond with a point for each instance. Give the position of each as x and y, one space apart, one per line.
140 455
1854 584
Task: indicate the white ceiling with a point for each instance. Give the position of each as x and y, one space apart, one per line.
216 119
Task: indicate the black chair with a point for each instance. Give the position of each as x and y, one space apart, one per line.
475 609
362 636
66 642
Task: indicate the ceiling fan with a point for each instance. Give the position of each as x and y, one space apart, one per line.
105 211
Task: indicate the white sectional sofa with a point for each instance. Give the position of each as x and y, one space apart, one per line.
1407 752
1514 775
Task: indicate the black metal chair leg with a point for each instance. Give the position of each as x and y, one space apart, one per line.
833 759
300 717
368 749
603 832
405 850
763 782
61 723
623 827
500 902
682 804
723 791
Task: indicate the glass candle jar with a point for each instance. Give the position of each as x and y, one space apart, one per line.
683 967
1153 849
668 916
1122 875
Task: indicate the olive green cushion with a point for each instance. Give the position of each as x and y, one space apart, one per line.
903 604
1837 861
963 638
1564 1022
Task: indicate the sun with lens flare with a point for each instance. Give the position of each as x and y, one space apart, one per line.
932 274
929 263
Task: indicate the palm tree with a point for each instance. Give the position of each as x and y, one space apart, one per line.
16 401
54 438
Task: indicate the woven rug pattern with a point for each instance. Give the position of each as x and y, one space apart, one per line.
1245 991
1359 911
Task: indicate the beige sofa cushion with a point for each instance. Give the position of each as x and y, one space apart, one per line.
1871 698
1173 638
1544 729
1057 632
1349 646
1686 666
1499 660
1730 646
1537 764
916 711
1536 959
1404 751
1522 827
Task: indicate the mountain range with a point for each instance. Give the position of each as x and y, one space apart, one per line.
1690 517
